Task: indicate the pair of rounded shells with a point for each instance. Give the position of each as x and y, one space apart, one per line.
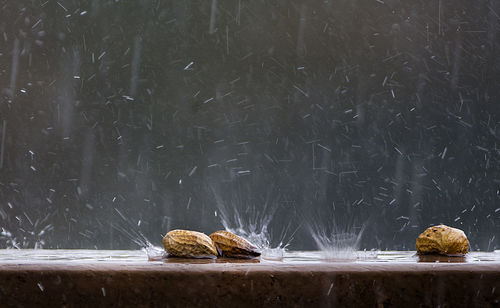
192 244
442 240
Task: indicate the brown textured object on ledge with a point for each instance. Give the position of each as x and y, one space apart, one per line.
233 246
442 240
189 244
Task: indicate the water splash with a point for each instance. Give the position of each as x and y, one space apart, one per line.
337 243
261 239
29 233
154 253
244 219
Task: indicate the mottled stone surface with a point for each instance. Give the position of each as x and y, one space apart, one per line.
279 284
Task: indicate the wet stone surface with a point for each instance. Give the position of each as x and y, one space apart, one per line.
126 278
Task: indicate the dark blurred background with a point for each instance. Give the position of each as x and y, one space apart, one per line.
126 117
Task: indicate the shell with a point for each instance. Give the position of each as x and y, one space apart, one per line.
443 240
233 246
189 244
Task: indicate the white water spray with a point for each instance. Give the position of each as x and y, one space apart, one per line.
337 244
247 221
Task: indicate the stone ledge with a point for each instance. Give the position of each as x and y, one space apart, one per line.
251 285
